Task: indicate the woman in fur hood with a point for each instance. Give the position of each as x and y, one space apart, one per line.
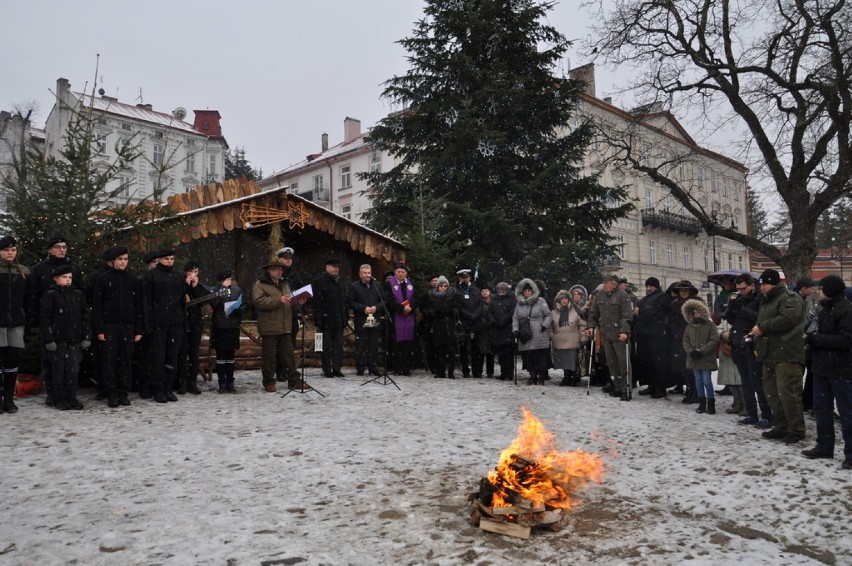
532 313
700 340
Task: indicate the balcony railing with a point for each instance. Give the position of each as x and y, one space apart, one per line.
670 221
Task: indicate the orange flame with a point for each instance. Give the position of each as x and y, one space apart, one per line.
533 468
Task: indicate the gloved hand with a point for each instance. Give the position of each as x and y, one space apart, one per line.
50 346
696 354
515 333
85 344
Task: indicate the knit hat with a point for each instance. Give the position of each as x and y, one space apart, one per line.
562 294
7 242
442 281
770 277
652 282
832 285
502 285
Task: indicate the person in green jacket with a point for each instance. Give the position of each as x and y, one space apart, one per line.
779 342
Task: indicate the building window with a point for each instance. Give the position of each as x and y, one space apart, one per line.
730 261
652 252
346 211
670 255
320 192
190 160
100 143
740 261
714 182
687 259
706 261
737 190
126 127
159 154
294 187
158 135
124 182
345 177
667 202
649 198
211 168
700 176
725 186
375 162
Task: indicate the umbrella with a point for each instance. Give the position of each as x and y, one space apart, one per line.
717 276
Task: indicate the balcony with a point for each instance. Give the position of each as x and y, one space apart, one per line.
666 220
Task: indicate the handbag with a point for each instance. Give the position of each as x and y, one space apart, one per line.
524 330
459 331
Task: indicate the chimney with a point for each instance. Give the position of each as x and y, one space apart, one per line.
145 106
586 73
351 129
608 100
325 142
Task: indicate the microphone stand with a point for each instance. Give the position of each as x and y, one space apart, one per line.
383 378
303 387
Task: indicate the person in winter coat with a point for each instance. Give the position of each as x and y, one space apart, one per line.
331 316
14 280
41 279
502 310
64 325
612 313
163 306
567 334
651 324
424 326
779 342
741 314
831 346
532 312
444 306
470 302
271 297
401 303
680 375
481 349
700 340
367 299
117 323
189 364
228 308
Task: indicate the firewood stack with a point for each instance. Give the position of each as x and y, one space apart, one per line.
514 514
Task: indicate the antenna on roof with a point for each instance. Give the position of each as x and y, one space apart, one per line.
140 98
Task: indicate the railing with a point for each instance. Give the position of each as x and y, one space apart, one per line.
670 221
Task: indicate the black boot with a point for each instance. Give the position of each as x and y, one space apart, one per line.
9 381
567 380
229 373
690 397
711 406
702 405
222 376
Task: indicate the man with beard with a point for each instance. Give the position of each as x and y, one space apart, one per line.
163 302
330 316
652 338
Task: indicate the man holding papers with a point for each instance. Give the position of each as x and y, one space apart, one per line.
271 296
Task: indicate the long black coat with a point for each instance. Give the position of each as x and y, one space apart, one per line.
445 309
502 309
41 279
363 295
329 303
163 298
741 314
832 343
117 298
63 315
470 300
14 284
653 318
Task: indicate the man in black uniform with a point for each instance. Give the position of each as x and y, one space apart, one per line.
163 300
330 316
188 363
470 310
117 323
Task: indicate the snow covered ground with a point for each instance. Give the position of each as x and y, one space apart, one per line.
372 475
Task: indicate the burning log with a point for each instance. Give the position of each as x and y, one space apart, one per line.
535 489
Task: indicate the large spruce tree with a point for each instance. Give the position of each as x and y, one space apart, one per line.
487 155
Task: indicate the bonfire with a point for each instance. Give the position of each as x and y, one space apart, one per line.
533 485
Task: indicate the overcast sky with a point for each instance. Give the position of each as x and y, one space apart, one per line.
279 72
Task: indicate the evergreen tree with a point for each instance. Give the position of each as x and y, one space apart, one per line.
757 218
236 166
486 143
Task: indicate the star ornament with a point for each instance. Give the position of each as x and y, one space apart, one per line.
296 214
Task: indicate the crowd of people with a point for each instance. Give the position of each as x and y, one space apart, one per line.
779 351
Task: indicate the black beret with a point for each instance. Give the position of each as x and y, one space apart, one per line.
222 275
770 277
62 270
7 242
188 266
150 256
332 261
55 240
113 252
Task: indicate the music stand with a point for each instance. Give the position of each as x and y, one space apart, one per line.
303 387
382 377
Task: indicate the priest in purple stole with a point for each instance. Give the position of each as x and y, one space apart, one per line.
401 305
